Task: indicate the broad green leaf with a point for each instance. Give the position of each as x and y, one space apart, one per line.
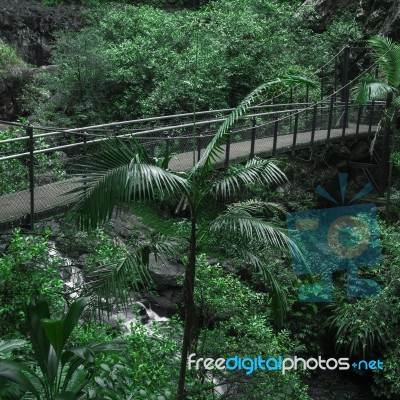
55 333
37 310
72 318
18 373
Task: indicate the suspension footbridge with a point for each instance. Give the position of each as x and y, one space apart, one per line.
45 155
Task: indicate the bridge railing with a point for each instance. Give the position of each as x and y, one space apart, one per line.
54 151
38 159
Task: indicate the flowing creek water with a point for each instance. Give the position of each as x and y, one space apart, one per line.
74 280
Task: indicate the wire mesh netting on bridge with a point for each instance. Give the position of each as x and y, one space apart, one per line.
44 161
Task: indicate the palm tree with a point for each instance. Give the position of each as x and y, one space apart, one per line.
386 55
126 174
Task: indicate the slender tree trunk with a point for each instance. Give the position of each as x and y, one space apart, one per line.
190 311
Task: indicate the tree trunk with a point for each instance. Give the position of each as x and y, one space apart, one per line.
190 311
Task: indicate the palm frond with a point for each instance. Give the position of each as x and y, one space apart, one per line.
257 207
214 148
396 103
6 347
371 88
240 224
387 54
255 171
119 175
250 228
276 294
116 283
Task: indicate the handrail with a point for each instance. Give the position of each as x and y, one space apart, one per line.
54 130
155 130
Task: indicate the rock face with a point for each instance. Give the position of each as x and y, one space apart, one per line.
10 90
162 306
29 27
376 17
165 274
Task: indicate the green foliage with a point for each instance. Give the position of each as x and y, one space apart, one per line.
359 327
146 370
63 372
396 159
25 268
386 55
14 173
88 3
139 60
220 296
124 174
387 381
148 367
241 325
10 61
72 90
388 313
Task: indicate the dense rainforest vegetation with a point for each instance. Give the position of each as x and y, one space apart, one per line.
99 304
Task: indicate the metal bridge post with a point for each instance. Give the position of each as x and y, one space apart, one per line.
359 114
345 119
85 155
371 118
167 139
322 84
328 135
306 111
314 124
291 104
29 132
335 84
199 143
345 89
296 127
385 161
385 153
227 150
275 137
345 75
253 137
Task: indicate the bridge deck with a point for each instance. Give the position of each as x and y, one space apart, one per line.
51 198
